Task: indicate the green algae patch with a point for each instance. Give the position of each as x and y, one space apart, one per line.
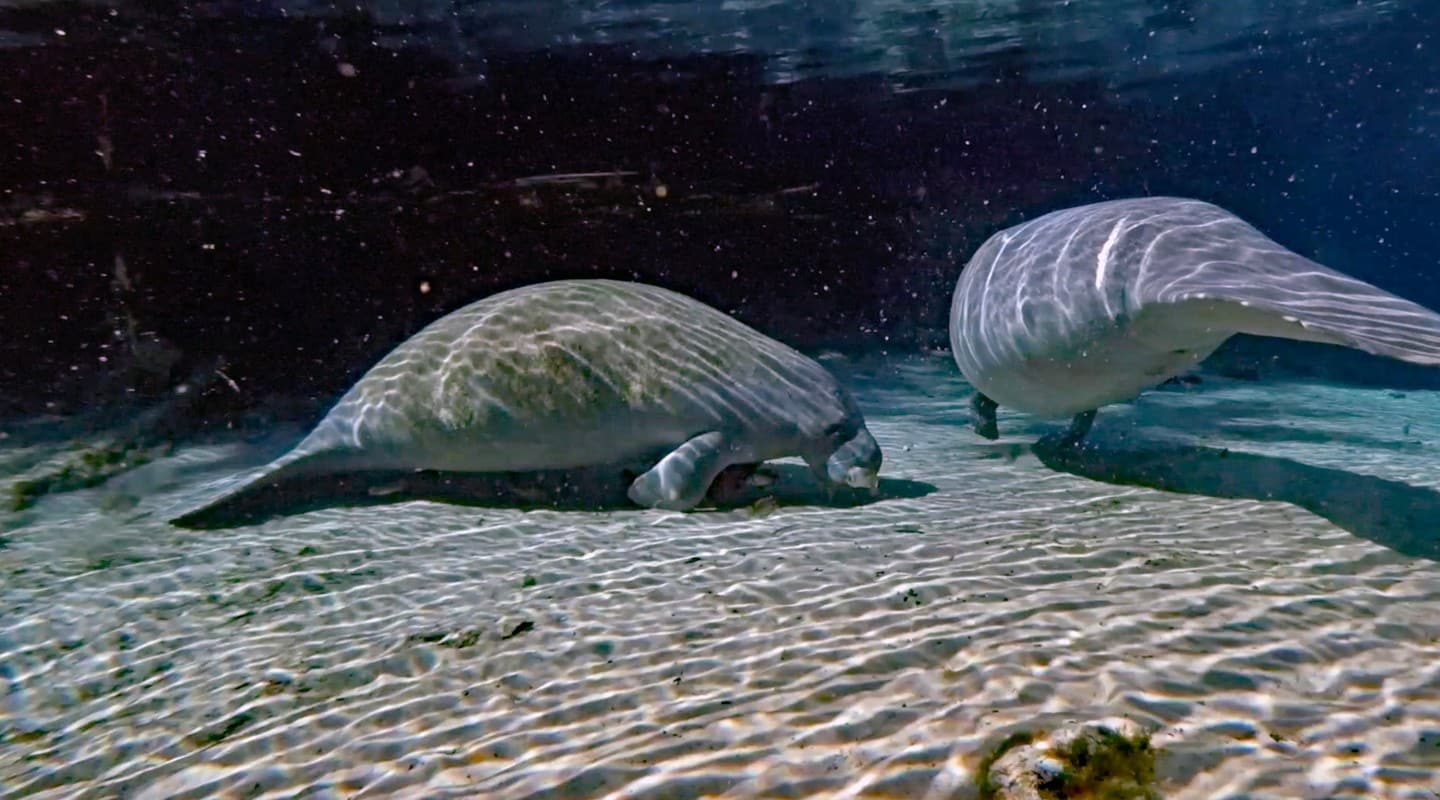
1109 766
1096 763
83 468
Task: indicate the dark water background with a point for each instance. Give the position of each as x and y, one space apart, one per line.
233 209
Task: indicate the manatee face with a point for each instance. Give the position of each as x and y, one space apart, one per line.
856 461
835 441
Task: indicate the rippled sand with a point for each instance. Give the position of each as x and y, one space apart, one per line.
432 650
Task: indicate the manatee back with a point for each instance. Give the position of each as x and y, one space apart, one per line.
1025 293
1050 286
552 373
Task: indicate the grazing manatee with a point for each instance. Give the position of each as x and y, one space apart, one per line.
579 373
1094 304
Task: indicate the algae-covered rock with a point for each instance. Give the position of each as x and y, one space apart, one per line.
1109 759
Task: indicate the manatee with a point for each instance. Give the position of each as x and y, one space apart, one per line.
578 373
1094 304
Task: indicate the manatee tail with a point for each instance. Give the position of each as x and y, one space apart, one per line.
279 486
1295 298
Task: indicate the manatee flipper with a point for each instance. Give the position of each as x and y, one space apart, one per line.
682 477
984 408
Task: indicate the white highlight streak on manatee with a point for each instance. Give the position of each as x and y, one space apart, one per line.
1103 262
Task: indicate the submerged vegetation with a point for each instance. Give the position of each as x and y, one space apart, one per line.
1097 763
988 789
1108 766
83 468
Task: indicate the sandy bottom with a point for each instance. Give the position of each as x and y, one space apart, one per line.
1274 616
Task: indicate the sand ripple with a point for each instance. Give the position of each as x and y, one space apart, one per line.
432 650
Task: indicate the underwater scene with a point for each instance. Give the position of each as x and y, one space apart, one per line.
1022 399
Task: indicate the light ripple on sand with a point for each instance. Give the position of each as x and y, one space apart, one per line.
433 650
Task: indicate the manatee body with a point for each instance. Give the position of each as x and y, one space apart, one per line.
1092 305
579 373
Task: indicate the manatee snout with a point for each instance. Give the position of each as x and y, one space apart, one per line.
856 462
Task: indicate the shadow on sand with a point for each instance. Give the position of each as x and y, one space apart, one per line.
1390 513
601 489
